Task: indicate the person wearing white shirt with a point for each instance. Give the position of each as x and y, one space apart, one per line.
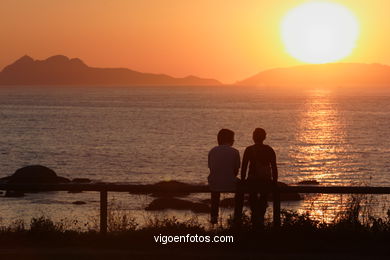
224 164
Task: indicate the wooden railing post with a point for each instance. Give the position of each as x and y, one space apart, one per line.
276 207
103 211
145 189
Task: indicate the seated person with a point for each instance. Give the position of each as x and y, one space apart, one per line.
224 163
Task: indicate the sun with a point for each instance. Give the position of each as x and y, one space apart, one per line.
319 32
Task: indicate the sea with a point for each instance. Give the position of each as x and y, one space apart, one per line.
149 134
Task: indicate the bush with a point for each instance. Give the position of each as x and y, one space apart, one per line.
45 225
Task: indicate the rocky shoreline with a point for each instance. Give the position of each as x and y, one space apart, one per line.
163 199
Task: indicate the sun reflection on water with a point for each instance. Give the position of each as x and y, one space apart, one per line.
321 140
324 207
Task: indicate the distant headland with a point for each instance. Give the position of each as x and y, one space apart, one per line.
327 75
60 70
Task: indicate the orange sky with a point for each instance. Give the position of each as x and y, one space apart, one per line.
227 40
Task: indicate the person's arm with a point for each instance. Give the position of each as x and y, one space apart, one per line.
244 166
274 167
208 160
237 164
236 171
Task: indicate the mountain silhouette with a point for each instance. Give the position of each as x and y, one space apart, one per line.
331 75
60 70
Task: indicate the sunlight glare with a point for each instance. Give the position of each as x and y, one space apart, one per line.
319 32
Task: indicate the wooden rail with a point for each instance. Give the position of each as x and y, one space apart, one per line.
104 188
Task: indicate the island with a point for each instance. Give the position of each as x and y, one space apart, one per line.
61 70
329 75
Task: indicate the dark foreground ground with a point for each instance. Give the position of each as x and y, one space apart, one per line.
298 237
74 253
270 244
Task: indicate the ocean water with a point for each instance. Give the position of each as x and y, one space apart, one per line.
150 134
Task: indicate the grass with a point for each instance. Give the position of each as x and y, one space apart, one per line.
353 230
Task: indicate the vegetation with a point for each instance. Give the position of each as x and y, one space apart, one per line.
349 231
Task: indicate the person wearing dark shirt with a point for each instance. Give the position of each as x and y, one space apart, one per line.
263 171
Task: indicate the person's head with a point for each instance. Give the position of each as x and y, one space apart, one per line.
225 137
259 135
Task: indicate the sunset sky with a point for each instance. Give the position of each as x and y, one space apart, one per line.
227 40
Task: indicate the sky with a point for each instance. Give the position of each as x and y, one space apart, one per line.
227 40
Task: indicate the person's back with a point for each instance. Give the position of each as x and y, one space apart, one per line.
260 157
263 171
224 163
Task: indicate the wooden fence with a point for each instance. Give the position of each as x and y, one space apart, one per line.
104 188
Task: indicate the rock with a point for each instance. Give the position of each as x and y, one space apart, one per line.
35 174
178 204
170 185
62 179
30 175
13 194
286 196
79 202
229 202
81 180
167 186
309 182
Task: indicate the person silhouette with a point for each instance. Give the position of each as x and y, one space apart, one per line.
263 172
224 165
